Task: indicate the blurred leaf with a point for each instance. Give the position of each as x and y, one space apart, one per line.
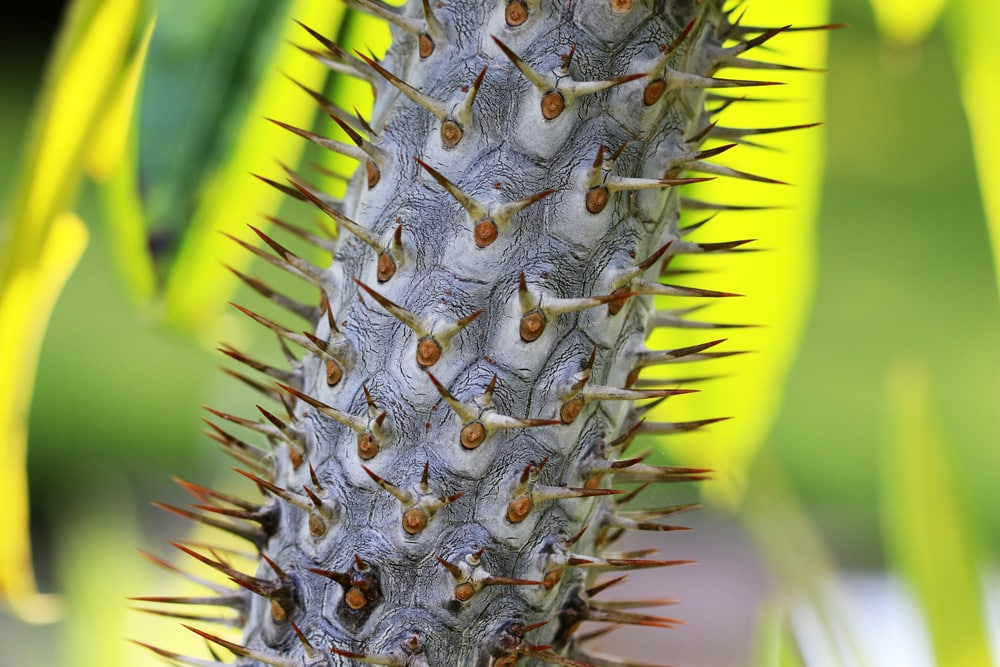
197 284
44 243
113 161
93 539
974 42
799 561
907 22
26 301
778 281
108 143
925 528
206 63
775 644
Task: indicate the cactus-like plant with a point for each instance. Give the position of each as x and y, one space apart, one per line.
451 475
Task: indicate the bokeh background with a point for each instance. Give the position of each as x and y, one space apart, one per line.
905 295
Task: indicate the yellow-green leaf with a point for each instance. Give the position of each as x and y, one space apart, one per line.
112 160
43 244
927 532
775 644
78 86
26 301
799 560
108 144
778 281
197 283
907 22
973 40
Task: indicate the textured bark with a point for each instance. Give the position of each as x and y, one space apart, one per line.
472 378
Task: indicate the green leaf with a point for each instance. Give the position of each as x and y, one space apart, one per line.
229 198
907 22
799 560
925 528
778 281
972 27
112 161
26 302
775 645
43 243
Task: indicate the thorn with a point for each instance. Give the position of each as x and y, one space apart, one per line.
340 147
170 567
315 479
440 111
336 59
600 588
316 500
659 512
539 309
667 428
355 423
177 657
303 340
541 82
640 286
255 536
281 187
286 495
292 437
463 115
472 577
645 358
367 236
699 205
559 92
466 412
324 243
432 336
451 567
297 267
629 618
261 587
402 496
630 496
232 622
235 600
267 658
372 659
719 170
542 492
248 424
329 107
642 472
307 313
739 134
241 451
391 14
206 494
487 223
618 183
309 649
276 373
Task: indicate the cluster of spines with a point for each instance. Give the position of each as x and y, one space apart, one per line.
420 502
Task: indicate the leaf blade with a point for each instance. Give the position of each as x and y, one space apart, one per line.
779 282
926 529
197 283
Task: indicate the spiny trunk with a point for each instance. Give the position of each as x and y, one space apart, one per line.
451 476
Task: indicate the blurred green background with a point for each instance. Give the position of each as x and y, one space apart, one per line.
904 272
